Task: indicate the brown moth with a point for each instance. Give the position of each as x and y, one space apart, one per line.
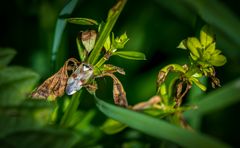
55 85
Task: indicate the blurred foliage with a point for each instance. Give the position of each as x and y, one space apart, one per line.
155 28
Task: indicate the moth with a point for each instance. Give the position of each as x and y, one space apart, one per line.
79 78
70 78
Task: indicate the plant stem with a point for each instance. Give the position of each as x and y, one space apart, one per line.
113 15
71 109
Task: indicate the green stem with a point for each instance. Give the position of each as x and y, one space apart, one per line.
101 62
113 15
71 109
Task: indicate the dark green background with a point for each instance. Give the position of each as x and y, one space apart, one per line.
155 27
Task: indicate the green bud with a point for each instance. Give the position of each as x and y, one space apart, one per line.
119 42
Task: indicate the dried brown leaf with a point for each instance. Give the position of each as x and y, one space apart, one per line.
55 85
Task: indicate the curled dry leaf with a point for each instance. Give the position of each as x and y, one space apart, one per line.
108 68
119 95
88 39
55 85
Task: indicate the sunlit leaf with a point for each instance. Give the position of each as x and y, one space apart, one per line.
194 46
132 55
210 49
218 60
82 21
206 36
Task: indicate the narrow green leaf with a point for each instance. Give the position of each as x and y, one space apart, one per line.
6 55
113 15
158 128
198 83
111 126
82 21
218 99
132 55
81 51
60 26
206 36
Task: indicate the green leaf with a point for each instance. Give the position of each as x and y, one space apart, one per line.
217 100
16 84
111 126
113 15
194 46
210 49
198 83
82 21
182 44
60 26
82 53
6 55
107 44
218 60
132 55
157 128
206 36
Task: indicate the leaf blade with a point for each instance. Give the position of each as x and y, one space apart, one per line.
132 55
60 26
218 99
157 128
82 21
